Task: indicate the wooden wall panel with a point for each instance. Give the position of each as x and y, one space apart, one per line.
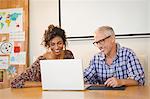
6 4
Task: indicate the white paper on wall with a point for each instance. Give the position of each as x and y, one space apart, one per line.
18 58
17 36
4 62
6 48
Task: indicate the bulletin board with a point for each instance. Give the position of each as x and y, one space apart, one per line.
14 39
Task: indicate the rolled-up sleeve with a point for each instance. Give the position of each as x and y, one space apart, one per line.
135 69
90 73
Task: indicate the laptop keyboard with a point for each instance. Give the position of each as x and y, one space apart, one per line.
105 88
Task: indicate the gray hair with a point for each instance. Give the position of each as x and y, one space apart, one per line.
107 30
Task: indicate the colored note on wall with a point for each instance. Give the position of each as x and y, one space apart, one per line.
4 62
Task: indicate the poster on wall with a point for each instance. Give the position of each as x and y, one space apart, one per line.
11 20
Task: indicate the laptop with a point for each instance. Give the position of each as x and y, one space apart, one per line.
65 74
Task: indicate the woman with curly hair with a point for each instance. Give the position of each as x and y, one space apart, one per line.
55 41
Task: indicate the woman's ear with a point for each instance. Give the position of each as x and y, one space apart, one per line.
64 47
49 49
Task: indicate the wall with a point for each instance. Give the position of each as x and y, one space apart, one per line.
44 12
84 49
148 15
149 41
126 16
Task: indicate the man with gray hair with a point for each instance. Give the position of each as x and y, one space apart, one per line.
114 65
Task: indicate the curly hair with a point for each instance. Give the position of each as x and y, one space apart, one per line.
51 33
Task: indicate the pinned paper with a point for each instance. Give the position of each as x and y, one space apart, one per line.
11 20
17 36
18 58
16 49
12 71
4 62
5 48
19 44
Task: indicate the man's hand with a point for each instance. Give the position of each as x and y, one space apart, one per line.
113 82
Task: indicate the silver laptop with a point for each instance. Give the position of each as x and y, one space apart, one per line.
64 74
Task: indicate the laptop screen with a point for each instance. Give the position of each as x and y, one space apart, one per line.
64 74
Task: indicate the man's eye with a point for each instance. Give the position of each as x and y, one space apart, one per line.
96 42
99 41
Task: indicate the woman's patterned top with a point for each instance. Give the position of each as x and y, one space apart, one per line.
33 73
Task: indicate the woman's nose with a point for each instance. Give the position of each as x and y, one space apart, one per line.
56 46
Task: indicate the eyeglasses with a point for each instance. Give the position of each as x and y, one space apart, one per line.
101 41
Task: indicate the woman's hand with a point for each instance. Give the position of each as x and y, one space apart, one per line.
32 84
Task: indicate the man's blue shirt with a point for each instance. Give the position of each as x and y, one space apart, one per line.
125 65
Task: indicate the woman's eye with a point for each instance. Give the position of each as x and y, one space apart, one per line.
60 43
52 44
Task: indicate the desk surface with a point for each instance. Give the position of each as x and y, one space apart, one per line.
134 92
